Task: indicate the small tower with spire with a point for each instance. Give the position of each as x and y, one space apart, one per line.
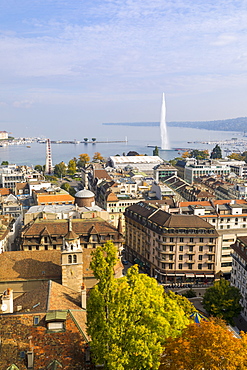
72 263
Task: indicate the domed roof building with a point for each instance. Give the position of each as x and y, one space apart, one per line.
85 198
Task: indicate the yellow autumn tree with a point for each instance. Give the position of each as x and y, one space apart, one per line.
83 160
208 345
97 157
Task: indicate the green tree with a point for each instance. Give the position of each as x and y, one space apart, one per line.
199 154
222 300
128 318
216 152
60 169
72 167
4 163
67 187
39 168
156 151
182 302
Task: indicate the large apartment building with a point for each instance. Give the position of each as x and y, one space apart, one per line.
174 248
239 270
229 217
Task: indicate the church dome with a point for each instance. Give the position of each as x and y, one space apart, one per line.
84 194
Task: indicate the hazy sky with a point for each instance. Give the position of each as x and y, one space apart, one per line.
66 66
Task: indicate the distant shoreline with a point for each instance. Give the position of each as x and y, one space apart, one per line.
234 124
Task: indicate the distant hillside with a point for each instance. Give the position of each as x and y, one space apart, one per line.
233 124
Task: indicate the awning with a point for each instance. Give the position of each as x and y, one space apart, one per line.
199 275
170 274
209 276
179 274
190 275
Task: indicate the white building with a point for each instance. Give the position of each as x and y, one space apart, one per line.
143 163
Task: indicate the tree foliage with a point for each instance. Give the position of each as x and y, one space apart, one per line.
97 157
83 160
60 169
208 345
182 302
128 318
236 156
222 300
72 167
156 151
199 154
216 152
39 168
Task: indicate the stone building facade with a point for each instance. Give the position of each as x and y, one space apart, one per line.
173 248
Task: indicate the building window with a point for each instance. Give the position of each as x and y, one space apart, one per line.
181 240
171 257
190 266
74 258
170 266
201 240
171 248
200 257
228 226
211 240
181 248
69 258
171 240
190 249
210 266
180 257
190 257
180 266
199 266
191 240
201 248
210 249
36 320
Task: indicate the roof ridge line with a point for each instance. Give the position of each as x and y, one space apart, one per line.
48 296
78 326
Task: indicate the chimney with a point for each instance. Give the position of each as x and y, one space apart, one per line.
83 296
30 354
7 301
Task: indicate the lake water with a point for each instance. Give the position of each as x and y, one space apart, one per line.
138 139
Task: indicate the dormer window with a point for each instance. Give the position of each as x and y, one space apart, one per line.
55 321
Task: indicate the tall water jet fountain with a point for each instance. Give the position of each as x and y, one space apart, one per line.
163 128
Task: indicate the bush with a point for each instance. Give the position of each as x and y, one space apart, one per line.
189 293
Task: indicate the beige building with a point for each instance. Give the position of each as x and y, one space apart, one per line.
173 248
229 217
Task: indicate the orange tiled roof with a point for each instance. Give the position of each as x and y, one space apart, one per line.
5 191
54 198
199 203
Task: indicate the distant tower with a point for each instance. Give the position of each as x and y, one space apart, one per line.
48 162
